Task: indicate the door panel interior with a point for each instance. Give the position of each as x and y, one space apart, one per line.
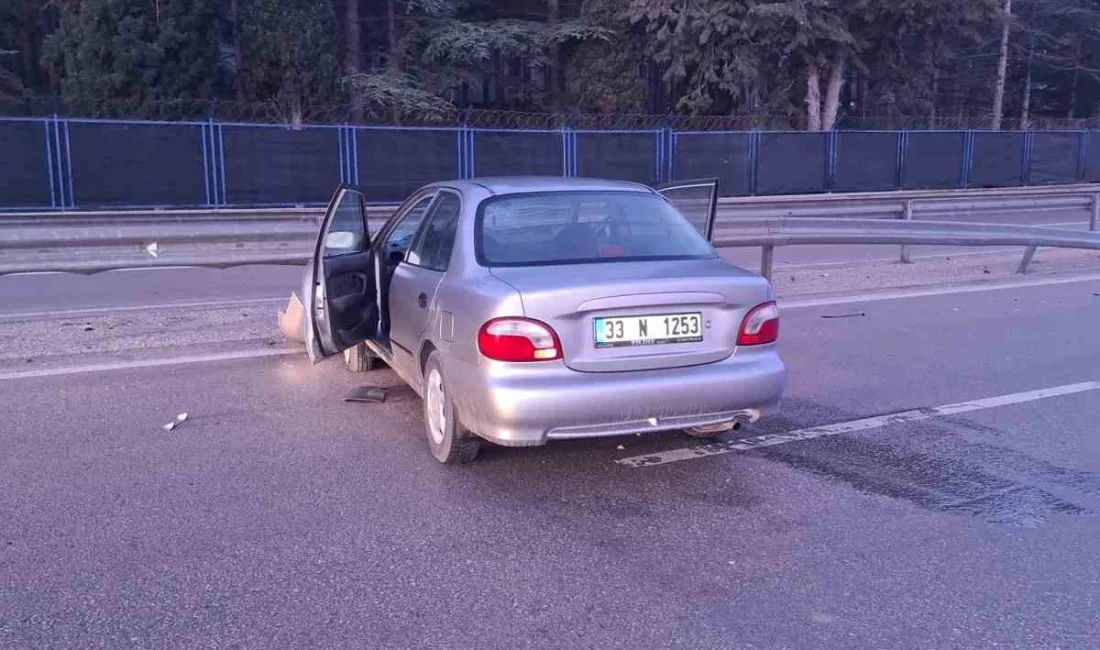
351 296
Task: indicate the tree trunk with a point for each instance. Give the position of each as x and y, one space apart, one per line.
25 45
832 94
1025 105
1002 68
864 97
934 86
932 114
352 51
1071 112
553 69
391 35
238 53
813 98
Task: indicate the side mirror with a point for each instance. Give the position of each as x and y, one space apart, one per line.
340 240
395 257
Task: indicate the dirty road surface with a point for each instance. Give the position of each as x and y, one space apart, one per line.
934 482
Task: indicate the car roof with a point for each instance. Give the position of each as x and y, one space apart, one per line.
521 184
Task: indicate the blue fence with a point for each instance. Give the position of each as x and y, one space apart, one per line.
81 164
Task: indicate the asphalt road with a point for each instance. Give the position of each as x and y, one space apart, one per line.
279 516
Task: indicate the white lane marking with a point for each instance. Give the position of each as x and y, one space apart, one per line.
879 421
31 273
805 303
167 305
148 363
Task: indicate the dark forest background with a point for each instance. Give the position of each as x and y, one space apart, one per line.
805 64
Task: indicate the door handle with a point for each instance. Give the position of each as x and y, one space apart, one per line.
422 300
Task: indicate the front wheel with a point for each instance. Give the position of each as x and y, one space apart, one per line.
449 441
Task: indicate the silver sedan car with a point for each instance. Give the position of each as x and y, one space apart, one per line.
524 310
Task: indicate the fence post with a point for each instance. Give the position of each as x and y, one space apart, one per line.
754 156
669 154
205 162
903 159
1028 254
340 157
766 258
1095 217
49 163
1082 153
69 166
1026 156
968 157
906 215
219 147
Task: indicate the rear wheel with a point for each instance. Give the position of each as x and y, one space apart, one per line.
449 441
360 358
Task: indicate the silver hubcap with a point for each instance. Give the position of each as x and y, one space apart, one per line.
437 419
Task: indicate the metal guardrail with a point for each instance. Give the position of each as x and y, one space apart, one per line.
805 231
86 242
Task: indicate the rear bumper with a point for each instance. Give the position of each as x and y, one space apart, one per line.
521 405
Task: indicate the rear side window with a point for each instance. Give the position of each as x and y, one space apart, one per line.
433 249
583 227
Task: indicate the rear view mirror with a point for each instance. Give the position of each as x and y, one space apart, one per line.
340 240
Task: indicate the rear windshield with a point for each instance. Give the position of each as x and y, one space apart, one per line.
583 227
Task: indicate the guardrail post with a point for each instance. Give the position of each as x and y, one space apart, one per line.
1028 254
766 256
906 215
1095 212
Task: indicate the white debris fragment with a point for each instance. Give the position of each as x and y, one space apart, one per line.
151 249
175 423
620 447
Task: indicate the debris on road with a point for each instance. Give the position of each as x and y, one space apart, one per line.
175 423
855 314
367 394
621 447
151 249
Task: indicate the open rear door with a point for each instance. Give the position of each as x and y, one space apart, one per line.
341 301
697 201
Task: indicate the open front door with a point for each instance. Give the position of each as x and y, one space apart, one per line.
697 201
341 301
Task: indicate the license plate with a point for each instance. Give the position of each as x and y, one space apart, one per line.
626 331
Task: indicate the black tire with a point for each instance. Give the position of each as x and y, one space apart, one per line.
453 443
360 359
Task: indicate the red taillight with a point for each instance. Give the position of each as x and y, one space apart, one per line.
761 325
518 339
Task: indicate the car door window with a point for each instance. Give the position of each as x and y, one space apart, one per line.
697 201
347 231
400 236
433 247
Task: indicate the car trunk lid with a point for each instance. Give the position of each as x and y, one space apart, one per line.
571 298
